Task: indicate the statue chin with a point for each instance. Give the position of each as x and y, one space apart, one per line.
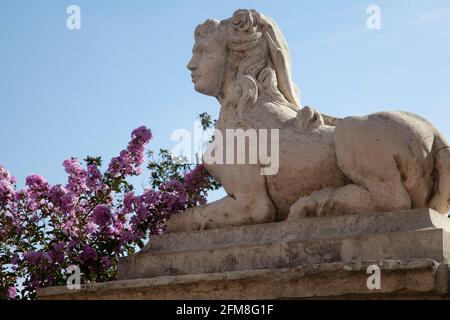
207 91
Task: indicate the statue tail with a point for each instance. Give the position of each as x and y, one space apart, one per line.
441 198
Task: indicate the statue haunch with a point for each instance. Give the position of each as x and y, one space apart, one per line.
382 162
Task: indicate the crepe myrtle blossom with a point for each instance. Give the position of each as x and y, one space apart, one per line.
6 192
11 293
46 228
129 160
36 183
102 215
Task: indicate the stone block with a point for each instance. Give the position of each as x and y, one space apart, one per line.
313 258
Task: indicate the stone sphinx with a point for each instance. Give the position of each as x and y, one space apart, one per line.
387 161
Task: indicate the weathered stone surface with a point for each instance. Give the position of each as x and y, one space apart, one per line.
418 279
400 245
301 229
361 237
300 258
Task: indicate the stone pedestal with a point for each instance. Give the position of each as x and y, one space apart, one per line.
303 258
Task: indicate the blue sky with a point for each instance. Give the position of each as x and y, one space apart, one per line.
75 93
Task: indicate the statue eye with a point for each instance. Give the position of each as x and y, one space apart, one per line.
200 50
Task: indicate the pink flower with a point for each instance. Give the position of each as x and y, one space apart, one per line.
128 236
142 134
88 254
56 194
69 202
15 260
121 165
102 215
5 175
129 161
90 228
63 199
106 262
37 183
11 293
6 192
94 178
33 257
72 244
197 178
77 175
57 255
20 195
128 201
73 167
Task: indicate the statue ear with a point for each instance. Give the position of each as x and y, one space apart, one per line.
279 54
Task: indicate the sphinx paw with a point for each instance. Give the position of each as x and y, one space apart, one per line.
309 119
305 207
183 222
174 224
319 203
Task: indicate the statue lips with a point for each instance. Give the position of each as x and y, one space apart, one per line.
194 77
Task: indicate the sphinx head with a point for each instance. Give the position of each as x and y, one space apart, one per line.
241 59
208 61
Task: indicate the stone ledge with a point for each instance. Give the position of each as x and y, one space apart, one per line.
422 278
297 259
404 235
301 229
407 245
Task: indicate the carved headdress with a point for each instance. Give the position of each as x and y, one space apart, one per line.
250 28
265 62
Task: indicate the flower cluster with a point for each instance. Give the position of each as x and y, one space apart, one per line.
154 207
129 161
91 221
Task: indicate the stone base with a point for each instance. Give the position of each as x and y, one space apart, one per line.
419 279
298 259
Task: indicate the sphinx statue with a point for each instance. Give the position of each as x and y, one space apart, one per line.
386 161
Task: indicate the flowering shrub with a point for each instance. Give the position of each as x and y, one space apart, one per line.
92 220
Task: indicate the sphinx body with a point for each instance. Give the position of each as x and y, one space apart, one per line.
382 162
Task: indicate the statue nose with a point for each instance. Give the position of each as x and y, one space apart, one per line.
191 66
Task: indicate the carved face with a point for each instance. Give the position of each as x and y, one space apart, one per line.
208 66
